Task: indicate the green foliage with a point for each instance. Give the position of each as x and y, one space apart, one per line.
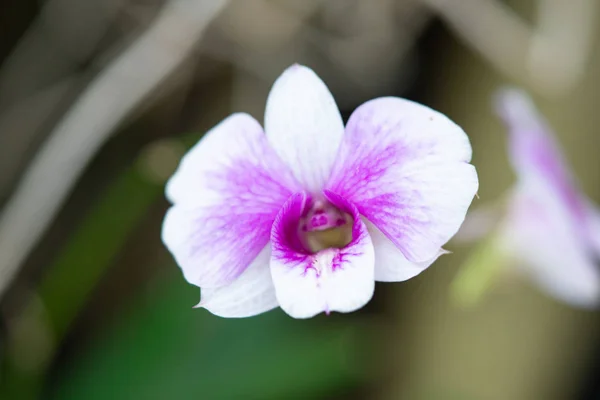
164 349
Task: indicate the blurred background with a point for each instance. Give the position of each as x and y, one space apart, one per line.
100 98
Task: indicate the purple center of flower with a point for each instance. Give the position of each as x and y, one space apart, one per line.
324 226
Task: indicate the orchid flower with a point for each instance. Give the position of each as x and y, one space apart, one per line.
308 214
547 228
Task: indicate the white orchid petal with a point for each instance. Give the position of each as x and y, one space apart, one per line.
390 263
304 126
406 169
226 194
252 293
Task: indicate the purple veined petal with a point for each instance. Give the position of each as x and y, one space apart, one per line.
390 263
539 233
304 125
406 168
226 194
334 279
252 293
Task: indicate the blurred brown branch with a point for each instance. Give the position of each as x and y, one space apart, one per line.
548 57
106 102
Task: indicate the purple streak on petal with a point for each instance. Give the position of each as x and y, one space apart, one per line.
361 176
359 233
405 167
251 200
226 192
285 236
